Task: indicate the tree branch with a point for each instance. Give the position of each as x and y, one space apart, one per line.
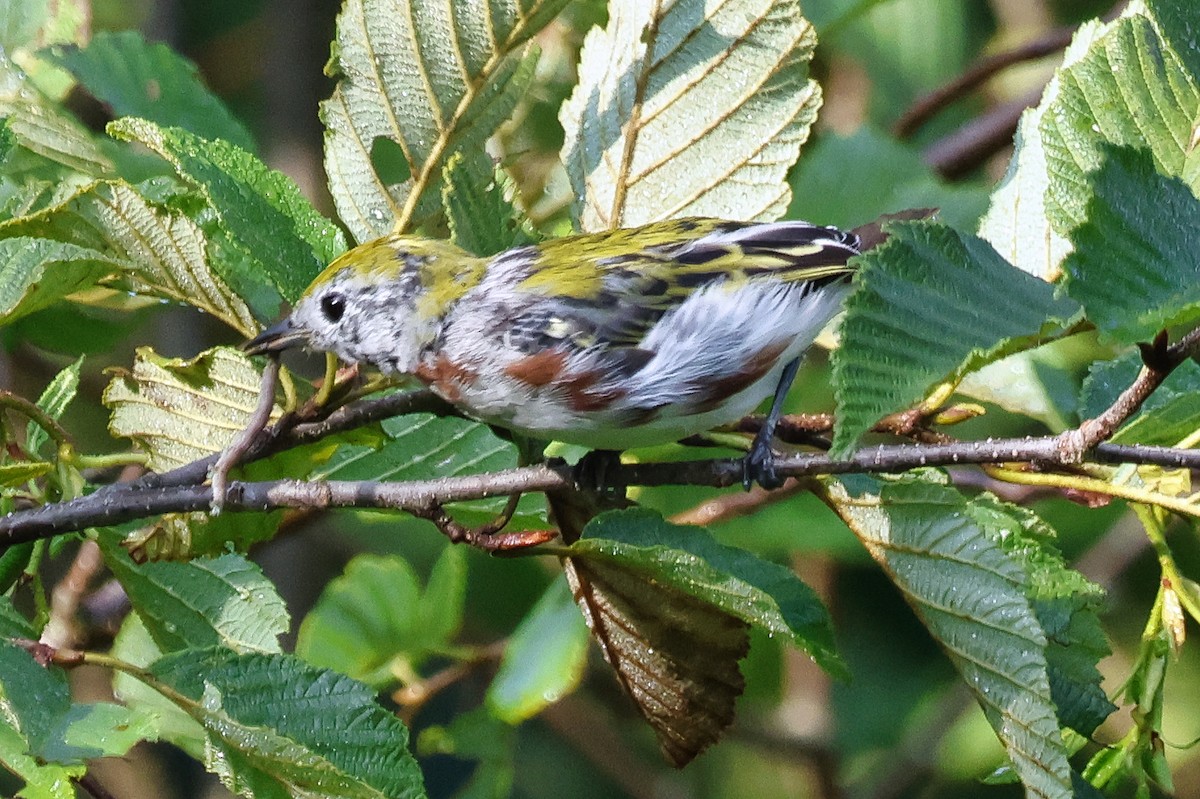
424 497
183 490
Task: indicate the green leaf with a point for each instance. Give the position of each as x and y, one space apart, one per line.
1128 90
930 303
1067 606
544 659
689 560
700 112
476 735
163 252
14 474
32 697
263 211
1167 416
16 557
203 602
1179 24
421 447
482 219
54 401
42 127
90 730
12 623
180 411
1041 383
972 596
376 612
1136 267
137 78
42 781
1016 224
278 727
28 26
440 608
36 273
135 646
847 181
431 81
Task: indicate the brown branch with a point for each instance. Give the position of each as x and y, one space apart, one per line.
424 496
171 493
931 104
967 148
983 70
1159 360
237 450
62 628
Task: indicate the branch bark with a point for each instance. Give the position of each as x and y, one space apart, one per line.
424 497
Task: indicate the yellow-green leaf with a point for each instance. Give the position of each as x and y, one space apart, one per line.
689 109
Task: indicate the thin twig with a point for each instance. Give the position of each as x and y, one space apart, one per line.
969 147
36 415
928 106
237 450
61 629
415 695
1159 360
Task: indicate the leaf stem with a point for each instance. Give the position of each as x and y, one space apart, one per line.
109 460
35 415
1095 486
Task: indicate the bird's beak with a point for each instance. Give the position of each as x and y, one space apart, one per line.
276 338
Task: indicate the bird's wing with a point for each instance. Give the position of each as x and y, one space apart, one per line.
614 287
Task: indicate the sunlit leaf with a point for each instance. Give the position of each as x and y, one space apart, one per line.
262 210
36 273
972 596
930 303
162 253
699 112
279 727
183 410
1127 90
430 79
43 127
203 602
544 658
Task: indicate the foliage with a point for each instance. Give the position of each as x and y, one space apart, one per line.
1087 249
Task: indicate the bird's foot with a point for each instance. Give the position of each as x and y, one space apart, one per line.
595 473
759 465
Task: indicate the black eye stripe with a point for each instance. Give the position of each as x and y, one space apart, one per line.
333 305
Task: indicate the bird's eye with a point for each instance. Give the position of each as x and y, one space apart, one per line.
333 305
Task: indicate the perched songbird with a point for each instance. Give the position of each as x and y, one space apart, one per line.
610 340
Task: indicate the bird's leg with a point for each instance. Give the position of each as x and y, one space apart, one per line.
594 471
759 464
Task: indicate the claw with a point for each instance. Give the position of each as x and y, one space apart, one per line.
593 472
759 466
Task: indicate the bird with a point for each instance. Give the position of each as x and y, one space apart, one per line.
611 340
